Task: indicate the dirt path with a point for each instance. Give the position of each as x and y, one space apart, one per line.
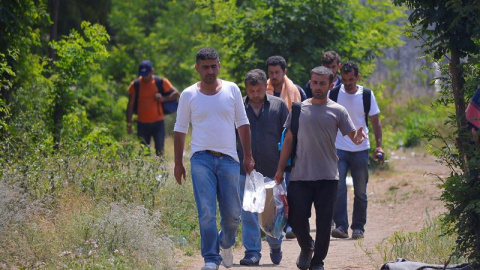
400 199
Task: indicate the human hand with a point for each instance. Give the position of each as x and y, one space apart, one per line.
248 164
158 97
278 177
179 172
129 128
359 136
379 155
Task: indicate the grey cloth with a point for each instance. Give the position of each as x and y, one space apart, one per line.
402 264
316 157
266 129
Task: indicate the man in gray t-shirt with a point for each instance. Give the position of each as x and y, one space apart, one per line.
314 177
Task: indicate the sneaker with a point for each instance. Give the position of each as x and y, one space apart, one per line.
339 233
227 257
317 267
304 259
250 260
289 233
276 255
210 266
357 234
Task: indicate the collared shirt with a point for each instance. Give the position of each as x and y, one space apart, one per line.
266 129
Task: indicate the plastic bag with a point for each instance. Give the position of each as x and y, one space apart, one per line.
254 193
275 216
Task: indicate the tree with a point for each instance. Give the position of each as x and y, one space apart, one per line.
453 27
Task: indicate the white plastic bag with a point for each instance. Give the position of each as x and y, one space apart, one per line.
273 220
254 193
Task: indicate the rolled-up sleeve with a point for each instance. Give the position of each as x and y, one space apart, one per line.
183 113
240 114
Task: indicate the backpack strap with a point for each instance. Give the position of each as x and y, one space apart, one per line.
333 95
159 83
136 85
367 95
296 109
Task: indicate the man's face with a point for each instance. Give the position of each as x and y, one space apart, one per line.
350 81
333 66
208 70
256 93
319 85
276 75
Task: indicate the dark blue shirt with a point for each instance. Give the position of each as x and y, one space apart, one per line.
266 129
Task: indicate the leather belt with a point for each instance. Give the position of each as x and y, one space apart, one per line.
214 153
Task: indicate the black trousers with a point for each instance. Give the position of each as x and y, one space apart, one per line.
301 195
156 130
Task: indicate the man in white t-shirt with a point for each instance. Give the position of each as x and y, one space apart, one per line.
354 157
213 107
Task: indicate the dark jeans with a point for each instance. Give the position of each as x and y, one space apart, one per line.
301 195
156 130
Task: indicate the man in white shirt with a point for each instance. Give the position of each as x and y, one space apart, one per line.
354 157
213 107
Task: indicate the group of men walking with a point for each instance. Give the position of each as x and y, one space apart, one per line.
331 140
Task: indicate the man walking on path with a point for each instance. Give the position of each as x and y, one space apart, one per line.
267 115
354 156
213 107
149 106
279 84
331 60
314 174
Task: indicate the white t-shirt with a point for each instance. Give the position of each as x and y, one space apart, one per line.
354 105
213 117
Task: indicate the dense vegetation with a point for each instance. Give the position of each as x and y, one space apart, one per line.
76 190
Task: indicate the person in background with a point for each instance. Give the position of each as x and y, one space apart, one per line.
314 176
355 157
281 86
149 106
213 107
267 115
331 60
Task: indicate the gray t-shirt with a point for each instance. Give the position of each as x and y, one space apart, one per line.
316 157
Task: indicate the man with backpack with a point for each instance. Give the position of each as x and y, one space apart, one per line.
145 98
361 105
314 174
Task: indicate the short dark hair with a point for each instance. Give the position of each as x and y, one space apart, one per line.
350 66
255 76
275 61
321 70
206 53
330 56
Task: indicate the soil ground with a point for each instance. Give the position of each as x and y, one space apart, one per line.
402 198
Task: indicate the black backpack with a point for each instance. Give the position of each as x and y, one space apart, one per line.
296 108
367 94
136 85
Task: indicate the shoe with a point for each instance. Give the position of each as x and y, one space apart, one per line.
357 234
304 259
289 233
276 255
317 267
210 266
250 260
339 233
227 257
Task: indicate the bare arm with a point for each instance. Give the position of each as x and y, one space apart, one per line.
284 156
179 145
377 131
245 138
174 94
131 101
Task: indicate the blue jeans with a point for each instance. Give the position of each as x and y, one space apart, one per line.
216 178
251 229
357 162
